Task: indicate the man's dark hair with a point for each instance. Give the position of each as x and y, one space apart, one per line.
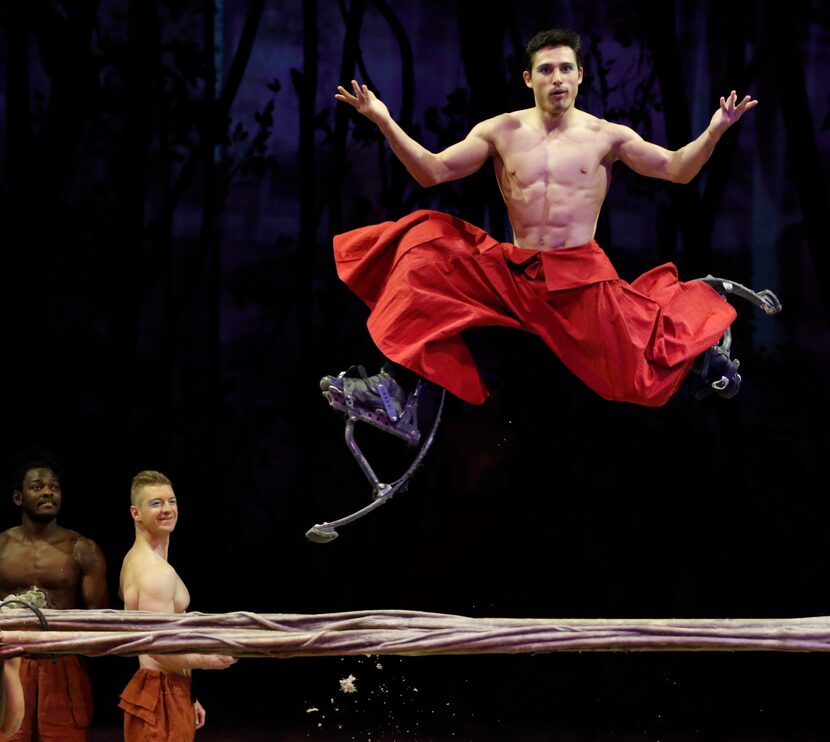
553 37
41 462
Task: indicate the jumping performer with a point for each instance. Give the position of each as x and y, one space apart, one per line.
429 276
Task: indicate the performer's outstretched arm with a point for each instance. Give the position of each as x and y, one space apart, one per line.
680 166
428 168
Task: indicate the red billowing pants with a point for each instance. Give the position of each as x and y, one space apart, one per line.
429 276
158 708
58 698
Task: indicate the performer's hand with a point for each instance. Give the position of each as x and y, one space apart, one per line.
200 714
364 101
216 662
730 111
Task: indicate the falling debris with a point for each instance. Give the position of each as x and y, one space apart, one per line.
347 684
312 710
388 707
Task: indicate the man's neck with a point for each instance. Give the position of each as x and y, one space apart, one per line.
557 121
157 544
35 530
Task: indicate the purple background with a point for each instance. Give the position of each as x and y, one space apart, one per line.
172 175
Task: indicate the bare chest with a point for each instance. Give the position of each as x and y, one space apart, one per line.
46 565
568 160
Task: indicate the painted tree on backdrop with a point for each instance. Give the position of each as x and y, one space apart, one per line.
125 119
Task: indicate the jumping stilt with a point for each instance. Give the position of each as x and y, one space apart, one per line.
381 402
716 367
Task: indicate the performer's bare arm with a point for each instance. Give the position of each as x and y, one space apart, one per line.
90 558
11 692
155 591
428 168
680 166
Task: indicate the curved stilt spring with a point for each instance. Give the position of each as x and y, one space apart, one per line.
323 533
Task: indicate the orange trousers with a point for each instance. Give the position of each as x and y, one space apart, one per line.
429 276
58 698
158 708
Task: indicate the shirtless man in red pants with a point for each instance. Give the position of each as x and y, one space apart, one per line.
429 276
158 702
70 569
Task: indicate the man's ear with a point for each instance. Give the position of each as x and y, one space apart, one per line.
17 497
526 77
581 74
134 512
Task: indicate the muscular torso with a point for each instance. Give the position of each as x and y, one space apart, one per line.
141 570
52 564
553 182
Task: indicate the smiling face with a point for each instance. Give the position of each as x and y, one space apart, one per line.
39 498
554 78
157 510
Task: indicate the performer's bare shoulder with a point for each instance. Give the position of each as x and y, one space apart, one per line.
529 129
6 536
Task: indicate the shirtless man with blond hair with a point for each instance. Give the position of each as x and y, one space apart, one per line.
70 570
429 276
148 582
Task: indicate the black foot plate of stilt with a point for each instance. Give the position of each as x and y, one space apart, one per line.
765 299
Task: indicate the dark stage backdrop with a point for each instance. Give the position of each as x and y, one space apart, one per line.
172 176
